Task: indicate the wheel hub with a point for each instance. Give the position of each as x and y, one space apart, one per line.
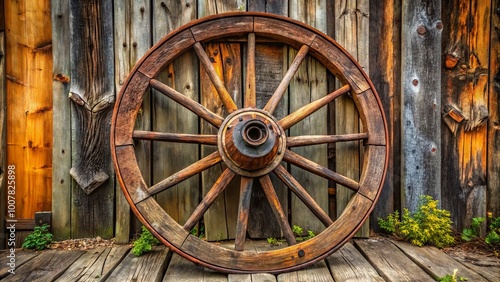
251 142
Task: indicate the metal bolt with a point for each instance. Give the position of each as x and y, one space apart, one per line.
439 25
414 82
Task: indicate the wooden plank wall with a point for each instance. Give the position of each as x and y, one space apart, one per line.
28 71
433 63
3 145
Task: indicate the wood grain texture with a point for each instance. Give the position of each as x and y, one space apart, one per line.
271 64
351 31
421 102
22 257
3 131
465 87
132 39
385 73
170 117
308 85
493 204
148 267
348 264
92 95
91 92
61 152
436 263
179 266
95 264
28 72
316 272
220 219
389 262
47 266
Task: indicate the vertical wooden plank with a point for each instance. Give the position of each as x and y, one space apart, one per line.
220 219
385 70
132 38
271 64
421 119
92 95
351 31
28 68
168 116
465 88
493 204
61 152
3 145
308 85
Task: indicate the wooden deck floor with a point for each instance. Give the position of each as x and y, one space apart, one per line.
360 260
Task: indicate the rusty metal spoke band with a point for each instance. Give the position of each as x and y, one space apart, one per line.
262 132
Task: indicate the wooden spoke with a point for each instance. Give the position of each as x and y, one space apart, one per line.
175 137
243 211
308 109
306 140
250 98
276 97
185 173
298 160
298 190
208 200
214 77
191 105
280 215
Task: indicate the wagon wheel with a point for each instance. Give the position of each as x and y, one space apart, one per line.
251 142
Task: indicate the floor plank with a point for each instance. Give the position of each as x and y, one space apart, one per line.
180 269
436 263
47 266
21 257
147 268
348 264
390 262
317 272
95 264
488 267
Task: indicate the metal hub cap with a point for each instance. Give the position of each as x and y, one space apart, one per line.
251 142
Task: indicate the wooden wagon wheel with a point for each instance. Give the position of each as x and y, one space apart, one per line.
251 142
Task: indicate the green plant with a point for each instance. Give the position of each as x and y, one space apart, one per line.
427 225
474 230
145 242
200 234
39 239
452 277
275 242
493 237
298 231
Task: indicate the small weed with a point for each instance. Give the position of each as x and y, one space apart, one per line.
39 239
452 277
145 242
275 242
493 236
200 234
473 232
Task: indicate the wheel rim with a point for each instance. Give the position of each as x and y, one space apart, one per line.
252 143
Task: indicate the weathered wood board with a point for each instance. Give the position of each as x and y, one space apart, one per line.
436 263
92 94
351 31
3 131
168 116
61 142
21 257
465 89
49 265
148 267
385 73
389 262
421 101
96 264
488 267
494 110
220 219
347 264
29 114
179 266
308 85
316 272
